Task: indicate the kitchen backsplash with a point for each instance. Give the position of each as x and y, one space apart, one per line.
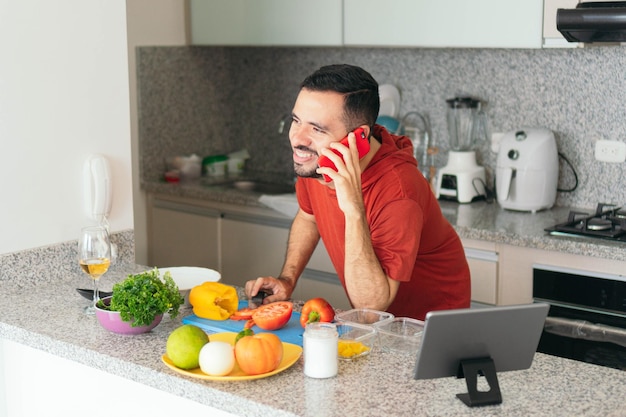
211 100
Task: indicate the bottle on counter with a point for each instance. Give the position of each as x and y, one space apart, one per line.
320 350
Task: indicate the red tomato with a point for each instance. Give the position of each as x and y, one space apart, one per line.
273 316
317 309
243 314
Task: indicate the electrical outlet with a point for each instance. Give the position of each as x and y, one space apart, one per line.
610 151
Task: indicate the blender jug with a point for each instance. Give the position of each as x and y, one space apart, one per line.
465 123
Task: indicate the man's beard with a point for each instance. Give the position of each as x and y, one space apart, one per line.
300 171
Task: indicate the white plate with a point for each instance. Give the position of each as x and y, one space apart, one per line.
187 277
389 100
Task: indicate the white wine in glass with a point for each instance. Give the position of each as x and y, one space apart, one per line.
94 257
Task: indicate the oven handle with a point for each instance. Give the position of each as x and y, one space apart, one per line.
582 329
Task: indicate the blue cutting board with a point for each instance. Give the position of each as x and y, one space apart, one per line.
291 333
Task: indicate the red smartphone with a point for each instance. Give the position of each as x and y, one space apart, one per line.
362 145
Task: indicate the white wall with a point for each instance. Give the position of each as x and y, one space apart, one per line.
64 94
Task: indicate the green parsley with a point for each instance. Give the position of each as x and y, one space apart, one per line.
142 297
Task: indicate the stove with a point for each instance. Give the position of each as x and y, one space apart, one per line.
608 222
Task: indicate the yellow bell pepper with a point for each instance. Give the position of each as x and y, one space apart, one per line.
213 300
349 348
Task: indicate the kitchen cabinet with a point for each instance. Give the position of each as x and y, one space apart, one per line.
243 243
408 23
482 258
502 274
314 283
444 23
253 246
515 270
266 23
182 235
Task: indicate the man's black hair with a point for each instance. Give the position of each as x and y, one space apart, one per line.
360 89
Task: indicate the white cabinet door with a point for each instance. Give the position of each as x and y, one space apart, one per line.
444 23
250 250
266 22
252 247
484 271
183 235
482 259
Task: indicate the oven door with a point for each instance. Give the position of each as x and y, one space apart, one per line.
587 318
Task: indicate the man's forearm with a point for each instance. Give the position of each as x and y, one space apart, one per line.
366 283
303 238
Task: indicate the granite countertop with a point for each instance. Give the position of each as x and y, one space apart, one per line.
379 384
479 220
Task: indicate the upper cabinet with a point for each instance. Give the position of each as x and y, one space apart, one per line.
266 22
397 23
444 23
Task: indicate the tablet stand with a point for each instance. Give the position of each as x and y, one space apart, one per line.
470 369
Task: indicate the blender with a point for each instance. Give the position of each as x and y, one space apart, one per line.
462 179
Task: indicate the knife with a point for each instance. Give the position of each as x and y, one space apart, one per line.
88 294
257 300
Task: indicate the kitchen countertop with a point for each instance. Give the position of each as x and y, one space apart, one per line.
479 220
380 384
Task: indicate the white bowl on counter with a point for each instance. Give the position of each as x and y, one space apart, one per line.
187 277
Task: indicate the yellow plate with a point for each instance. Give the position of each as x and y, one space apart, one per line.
291 353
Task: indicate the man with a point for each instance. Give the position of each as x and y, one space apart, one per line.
381 224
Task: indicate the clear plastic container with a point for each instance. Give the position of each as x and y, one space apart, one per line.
364 316
402 334
355 340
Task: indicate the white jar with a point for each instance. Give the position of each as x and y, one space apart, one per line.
320 350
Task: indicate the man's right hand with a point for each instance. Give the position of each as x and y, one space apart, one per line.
277 289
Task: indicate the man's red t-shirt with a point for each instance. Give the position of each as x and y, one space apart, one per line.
414 243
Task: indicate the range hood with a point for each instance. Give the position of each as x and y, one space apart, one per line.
603 21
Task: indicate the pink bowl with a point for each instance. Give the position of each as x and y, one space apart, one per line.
112 321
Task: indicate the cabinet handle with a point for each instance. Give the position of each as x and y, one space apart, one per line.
582 329
481 255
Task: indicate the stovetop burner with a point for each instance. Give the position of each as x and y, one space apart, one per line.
599 224
608 222
620 213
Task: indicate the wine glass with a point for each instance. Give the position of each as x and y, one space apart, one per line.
94 257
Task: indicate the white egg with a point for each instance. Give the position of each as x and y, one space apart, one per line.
217 358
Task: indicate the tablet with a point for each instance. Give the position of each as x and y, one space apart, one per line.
509 335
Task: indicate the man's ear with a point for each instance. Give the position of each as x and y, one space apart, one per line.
367 131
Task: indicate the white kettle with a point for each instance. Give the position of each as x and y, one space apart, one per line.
527 170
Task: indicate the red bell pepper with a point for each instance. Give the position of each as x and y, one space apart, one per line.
316 309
